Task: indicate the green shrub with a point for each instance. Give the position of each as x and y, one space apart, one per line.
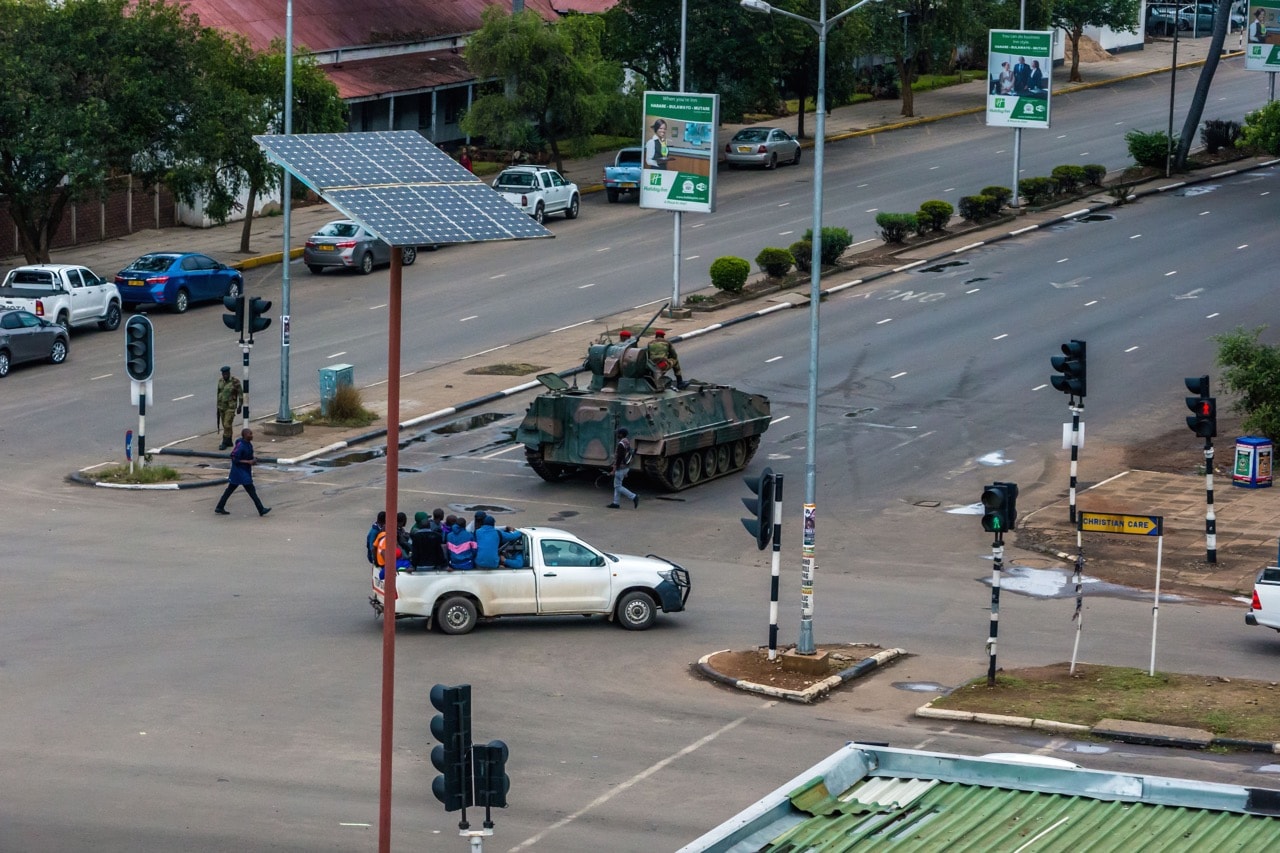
1094 173
730 274
1219 133
1251 371
894 227
802 253
1037 190
934 215
834 242
1068 178
1000 194
977 208
1262 129
1149 149
775 263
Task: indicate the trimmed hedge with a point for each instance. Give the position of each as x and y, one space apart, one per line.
1150 149
1000 194
802 253
1037 190
834 242
977 208
1068 178
1094 173
894 227
774 262
730 274
934 215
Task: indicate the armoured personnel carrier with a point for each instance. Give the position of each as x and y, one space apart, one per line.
682 436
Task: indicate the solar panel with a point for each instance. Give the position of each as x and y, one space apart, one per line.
401 187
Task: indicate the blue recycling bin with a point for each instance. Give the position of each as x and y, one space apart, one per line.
1252 469
331 378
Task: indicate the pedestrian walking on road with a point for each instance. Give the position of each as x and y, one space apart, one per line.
622 456
230 395
242 463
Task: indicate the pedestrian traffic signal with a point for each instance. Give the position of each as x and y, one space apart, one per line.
1071 364
258 307
492 782
452 757
760 506
999 507
235 320
139 343
1204 409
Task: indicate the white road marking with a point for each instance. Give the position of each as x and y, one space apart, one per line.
882 322
1039 387
698 225
1203 213
465 319
931 168
785 204
1135 236
949 190
785 233
336 354
1131 349
1170 272
498 276
692 257
482 352
973 290
1091 302
1211 316
1062 136
573 326
183 397
1268 192
868 240
585 286
779 420
772 360
644 304
502 451
1062 260
350 823
1243 246
898 375
103 376
1191 294
605 249
377 307
634 780
863 186
1000 337
872 209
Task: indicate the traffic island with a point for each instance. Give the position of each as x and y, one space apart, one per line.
789 675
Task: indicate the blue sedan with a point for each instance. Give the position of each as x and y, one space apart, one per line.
176 279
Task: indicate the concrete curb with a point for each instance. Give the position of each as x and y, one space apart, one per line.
78 477
810 694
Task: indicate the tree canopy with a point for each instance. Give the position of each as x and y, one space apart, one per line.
1074 15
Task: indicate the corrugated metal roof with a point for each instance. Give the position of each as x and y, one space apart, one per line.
402 74
320 25
881 798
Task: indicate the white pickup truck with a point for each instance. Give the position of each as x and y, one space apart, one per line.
563 576
65 294
1265 608
538 191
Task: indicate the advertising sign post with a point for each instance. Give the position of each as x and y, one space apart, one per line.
678 166
1019 65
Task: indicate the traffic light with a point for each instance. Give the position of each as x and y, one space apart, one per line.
235 320
139 344
1072 367
761 506
258 307
1203 420
999 507
452 757
492 782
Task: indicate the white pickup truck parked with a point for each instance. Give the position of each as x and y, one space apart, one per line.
1265 608
538 191
65 294
563 576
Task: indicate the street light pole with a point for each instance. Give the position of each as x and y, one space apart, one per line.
822 26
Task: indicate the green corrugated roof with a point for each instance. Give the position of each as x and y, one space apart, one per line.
925 815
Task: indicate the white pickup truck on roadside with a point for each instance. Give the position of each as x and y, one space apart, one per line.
562 576
1265 607
65 294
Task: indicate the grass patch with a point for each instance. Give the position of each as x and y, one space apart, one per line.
506 369
346 409
141 474
1231 708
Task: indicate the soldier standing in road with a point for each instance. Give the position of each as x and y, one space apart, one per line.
230 395
622 455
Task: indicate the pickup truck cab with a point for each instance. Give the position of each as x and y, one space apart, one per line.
563 576
624 175
538 191
1264 610
65 294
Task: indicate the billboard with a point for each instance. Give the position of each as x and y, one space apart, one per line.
1019 72
678 167
1262 36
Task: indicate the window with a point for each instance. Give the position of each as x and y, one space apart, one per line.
561 552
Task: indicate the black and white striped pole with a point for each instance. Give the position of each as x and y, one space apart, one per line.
766 525
999 513
775 569
139 364
1071 364
1203 421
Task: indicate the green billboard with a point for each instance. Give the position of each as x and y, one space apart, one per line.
1019 72
678 167
1262 36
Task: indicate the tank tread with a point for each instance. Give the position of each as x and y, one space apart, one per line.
673 478
549 471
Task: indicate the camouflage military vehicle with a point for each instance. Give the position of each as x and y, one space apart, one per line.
682 437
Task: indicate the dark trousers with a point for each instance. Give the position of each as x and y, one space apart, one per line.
248 487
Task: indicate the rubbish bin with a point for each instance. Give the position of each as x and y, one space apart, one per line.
1253 463
331 378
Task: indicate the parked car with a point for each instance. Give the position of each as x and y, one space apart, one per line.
538 191
623 176
343 243
762 146
1264 609
176 279
1197 17
26 337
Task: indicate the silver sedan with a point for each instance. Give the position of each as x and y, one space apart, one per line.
762 146
344 243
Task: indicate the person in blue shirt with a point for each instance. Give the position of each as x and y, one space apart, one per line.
461 547
489 542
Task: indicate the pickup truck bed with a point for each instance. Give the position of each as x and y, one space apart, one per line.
1265 608
624 175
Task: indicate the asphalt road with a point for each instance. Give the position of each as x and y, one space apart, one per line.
174 680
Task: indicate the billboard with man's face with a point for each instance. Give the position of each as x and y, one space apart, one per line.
1019 71
1262 36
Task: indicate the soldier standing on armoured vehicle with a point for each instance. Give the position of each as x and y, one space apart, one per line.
660 350
230 393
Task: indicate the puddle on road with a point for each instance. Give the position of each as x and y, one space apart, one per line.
453 427
1086 748
1058 583
943 267
1095 217
1269 768
468 423
920 686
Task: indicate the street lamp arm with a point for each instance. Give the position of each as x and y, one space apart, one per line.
818 26
855 7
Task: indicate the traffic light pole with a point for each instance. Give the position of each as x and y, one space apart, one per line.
1076 409
775 569
1078 578
142 427
808 568
997 566
1210 520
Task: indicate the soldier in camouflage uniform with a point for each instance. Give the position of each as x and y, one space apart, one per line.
660 349
230 394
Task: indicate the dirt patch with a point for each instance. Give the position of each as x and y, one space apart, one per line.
1090 51
1230 708
755 666
506 369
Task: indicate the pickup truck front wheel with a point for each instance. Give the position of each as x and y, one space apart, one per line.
111 322
572 211
636 611
456 615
